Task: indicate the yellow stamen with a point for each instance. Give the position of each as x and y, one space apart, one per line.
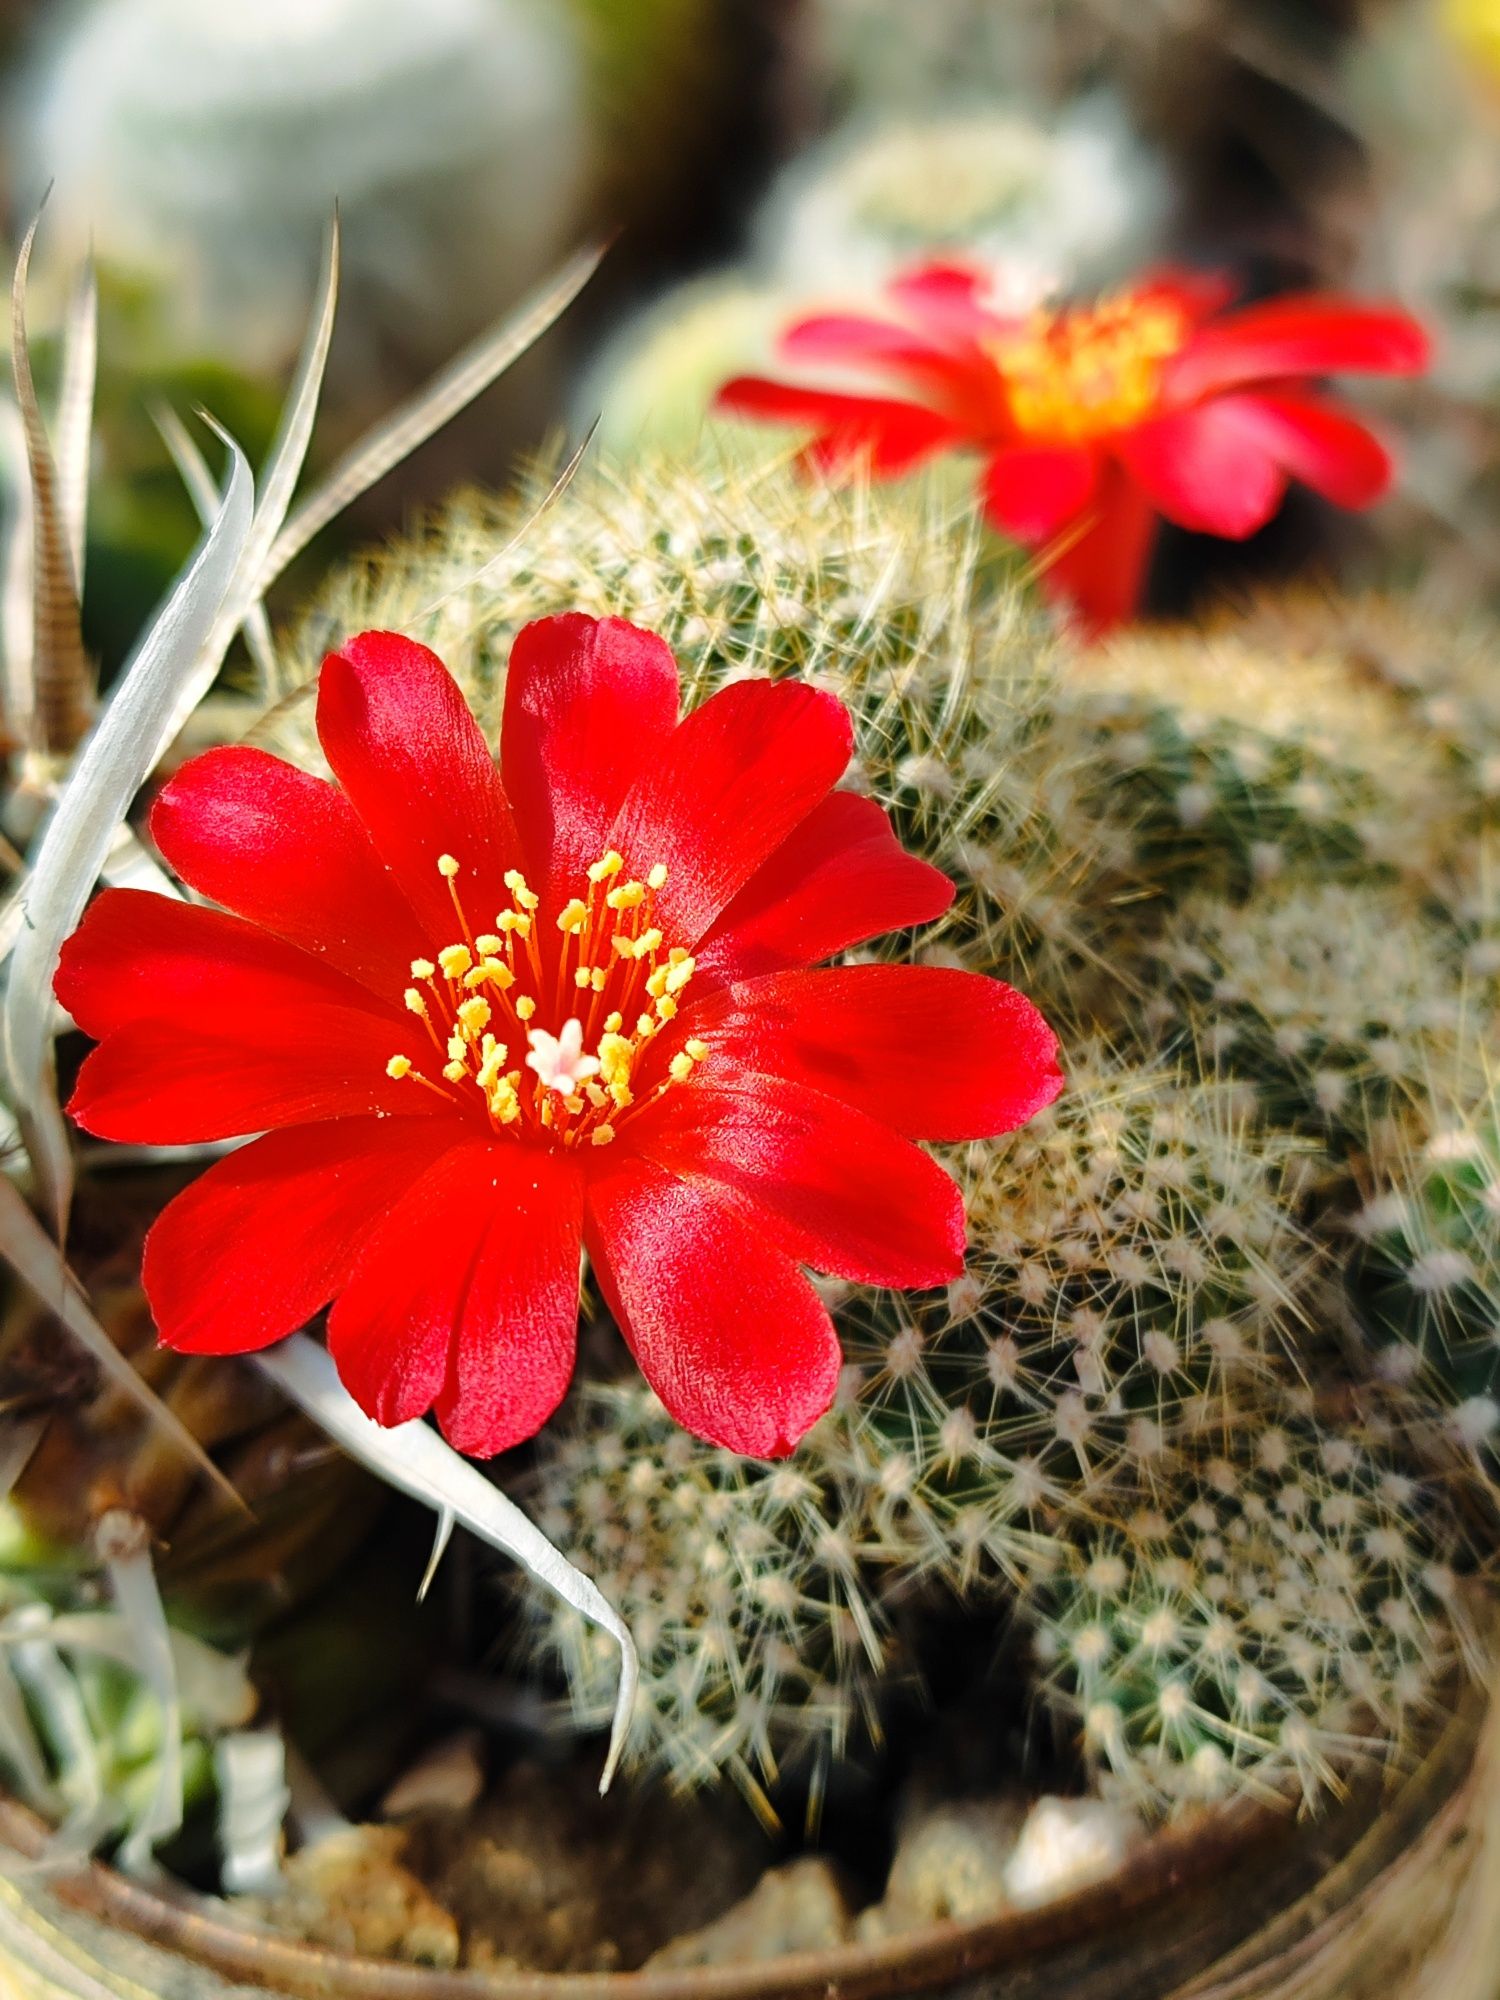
398 1067
680 1067
475 1015
696 1049
414 1001
607 865
525 1007
447 866
422 968
601 1135
657 879
455 959
573 916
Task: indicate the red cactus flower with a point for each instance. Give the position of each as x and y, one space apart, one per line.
1095 420
485 1016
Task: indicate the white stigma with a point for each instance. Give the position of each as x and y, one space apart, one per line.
559 1061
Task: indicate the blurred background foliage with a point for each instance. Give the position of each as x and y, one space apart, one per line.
749 160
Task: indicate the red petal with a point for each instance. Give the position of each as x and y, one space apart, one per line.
1100 574
402 742
737 776
948 299
1322 446
1203 470
589 705
893 436
730 1334
936 1054
1311 335
287 851
149 1084
823 1182
1035 491
854 337
138 956
841 877
266 1238
467 1296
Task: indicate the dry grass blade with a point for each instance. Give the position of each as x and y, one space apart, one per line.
470 373
282 470
204 494
16 628
62 691
558 487
114 764
73 425
38 1262
415 1460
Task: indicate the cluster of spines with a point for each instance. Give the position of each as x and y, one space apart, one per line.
1245 876
1277 1605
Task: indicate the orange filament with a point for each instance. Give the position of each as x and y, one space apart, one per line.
613 967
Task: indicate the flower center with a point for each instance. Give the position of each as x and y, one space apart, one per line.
602 974
1087 371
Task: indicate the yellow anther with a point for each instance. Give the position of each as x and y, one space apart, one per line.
527 898
615 1053
398 1066
581 978
644 1025
455 1071
574 1103
607 865
490 972
601 1135
458 1048
475 1015
511 920
613 1023
625 946
455 959
628 896
647 942
657 878
676 955
679 974
622 1094
489 944
492 1064
680 1067
656 985
525 1007
597 1097
447 866
422 968
666 1008
414 1001
598 979
573 916
514 880
696 1049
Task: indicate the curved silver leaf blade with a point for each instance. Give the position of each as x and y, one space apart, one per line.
113 765
414 1459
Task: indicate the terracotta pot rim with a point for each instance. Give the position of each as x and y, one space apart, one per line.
194 1927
